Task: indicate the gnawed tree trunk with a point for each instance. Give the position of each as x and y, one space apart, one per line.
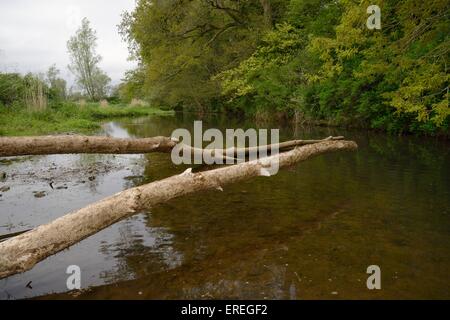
65 144
22 252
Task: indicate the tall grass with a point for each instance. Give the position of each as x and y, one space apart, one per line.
36 94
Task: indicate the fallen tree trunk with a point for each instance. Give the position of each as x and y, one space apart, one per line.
22 252
64 144
235 152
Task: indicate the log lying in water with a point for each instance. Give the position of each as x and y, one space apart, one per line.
22 252
235 152
65 144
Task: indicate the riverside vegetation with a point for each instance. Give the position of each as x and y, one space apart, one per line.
67 118
35 104
307 60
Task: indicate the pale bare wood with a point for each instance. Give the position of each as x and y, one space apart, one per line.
65 144
235 152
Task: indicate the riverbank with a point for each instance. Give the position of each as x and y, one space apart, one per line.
67 117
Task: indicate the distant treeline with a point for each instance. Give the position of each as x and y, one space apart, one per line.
36 91
31 90
310 60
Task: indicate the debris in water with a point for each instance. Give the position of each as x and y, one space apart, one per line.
39 194
4 189
133 177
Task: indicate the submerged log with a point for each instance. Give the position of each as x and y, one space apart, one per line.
65 144
22 252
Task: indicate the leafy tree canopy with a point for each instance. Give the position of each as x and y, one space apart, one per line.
314 58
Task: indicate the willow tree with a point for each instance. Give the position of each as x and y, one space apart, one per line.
394 78
84 62
181 45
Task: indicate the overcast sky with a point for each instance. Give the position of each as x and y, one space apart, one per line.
33 34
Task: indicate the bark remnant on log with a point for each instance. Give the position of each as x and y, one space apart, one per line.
22 252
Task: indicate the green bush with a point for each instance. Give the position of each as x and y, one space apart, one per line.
12 88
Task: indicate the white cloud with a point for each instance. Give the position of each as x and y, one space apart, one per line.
33 34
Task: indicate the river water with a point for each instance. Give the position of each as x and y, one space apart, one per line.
310 232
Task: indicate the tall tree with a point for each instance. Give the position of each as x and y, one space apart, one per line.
84 62
315 59
182 44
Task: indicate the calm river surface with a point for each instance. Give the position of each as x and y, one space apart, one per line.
311 231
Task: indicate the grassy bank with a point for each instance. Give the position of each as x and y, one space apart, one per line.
67 117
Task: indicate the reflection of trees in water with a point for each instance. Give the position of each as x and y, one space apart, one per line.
407 165
139 251
219 259
234 270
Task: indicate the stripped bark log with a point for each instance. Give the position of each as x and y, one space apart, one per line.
21 253
64 144
234 152
20 146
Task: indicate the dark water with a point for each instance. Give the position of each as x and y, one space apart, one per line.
311 231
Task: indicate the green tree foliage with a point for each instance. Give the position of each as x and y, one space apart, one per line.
267 77
85 60
183 44
30 91
396 78
12 88
133 86
58 86
314 58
